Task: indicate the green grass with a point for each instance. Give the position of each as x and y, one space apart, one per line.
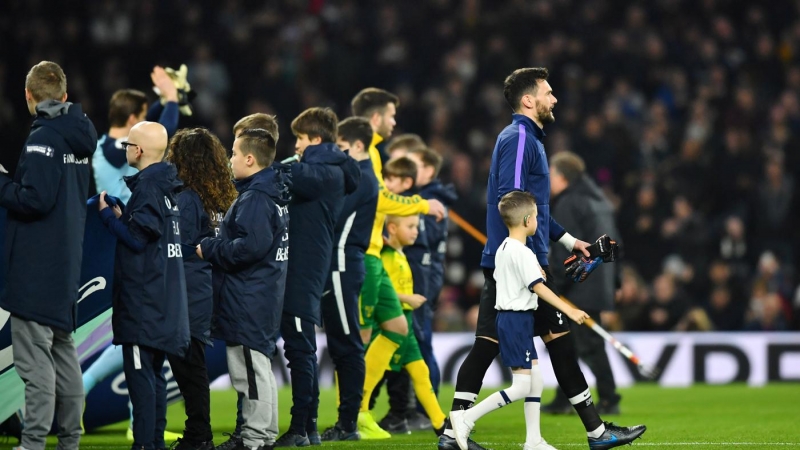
704 417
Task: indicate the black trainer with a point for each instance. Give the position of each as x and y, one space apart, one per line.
314 438
394 424
185 444
615 436
335 433
290 439
605 408
234 440
448 443
558 407
418 421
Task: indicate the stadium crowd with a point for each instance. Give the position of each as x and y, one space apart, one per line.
686 113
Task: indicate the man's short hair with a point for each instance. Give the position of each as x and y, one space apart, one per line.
514 206
568 164
370 100
46 81
356 129
316 123
258 120
123 103
402 167
258 142
521 82
408 141
429 157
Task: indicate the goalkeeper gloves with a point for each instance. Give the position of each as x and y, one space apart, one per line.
578 267
185 93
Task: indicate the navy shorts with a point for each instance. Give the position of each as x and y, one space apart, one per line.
515 329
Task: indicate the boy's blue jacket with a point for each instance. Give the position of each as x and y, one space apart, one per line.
252 253
320 182
434 246
149 296
519 163
46 206
196 225
354 227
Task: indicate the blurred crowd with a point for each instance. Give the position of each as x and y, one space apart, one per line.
687 113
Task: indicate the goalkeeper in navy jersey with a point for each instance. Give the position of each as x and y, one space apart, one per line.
127 108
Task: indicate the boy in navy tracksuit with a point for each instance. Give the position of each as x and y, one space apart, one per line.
320 182
252 250
429 162
340 308
46 203
150 313
426 259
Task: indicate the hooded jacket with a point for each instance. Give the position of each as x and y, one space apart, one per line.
46 203
428 257
252 253
353 230
583 208
149 296
320 182
196 225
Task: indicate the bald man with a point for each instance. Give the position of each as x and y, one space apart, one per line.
150 313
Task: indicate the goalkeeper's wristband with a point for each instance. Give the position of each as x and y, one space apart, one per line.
568 241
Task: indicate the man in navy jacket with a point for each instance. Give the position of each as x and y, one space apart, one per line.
320 182
340 308
150 317
46 202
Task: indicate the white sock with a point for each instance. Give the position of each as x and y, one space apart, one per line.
518 390
597 432
533 404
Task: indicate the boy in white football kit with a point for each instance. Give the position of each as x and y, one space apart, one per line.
520 283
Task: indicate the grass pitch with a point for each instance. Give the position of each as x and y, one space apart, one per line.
703 417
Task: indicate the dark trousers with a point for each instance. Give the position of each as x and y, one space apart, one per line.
147 388
423 330
398 386
591 349
340 313
191 374
300 349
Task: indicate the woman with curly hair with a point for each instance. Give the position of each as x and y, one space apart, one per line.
207 193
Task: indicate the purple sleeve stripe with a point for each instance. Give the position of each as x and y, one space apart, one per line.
520 155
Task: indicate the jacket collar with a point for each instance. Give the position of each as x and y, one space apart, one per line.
529 124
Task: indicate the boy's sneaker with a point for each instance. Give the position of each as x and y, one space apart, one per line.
290 439
559 407
608 409
335 433
541 445
234 441
462 427
314 438
395 424
185 444
615 436
418 421
369 429
448 443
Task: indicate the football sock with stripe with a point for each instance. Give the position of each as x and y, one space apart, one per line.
533 404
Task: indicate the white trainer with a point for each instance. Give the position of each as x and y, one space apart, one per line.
541 445
462 427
